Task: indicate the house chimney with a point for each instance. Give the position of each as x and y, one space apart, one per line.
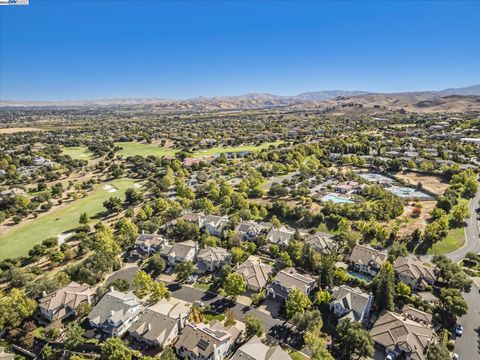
111 289
44 293
149 327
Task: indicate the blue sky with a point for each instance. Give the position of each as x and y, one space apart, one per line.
52 50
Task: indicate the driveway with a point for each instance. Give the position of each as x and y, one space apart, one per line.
274 328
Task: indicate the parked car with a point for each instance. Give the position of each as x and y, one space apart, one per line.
192 279
199 303
455 357
390 356
458 330
169 270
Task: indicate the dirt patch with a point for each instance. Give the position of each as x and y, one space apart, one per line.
17 130
430 183
410 223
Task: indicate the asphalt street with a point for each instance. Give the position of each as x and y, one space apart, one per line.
467 346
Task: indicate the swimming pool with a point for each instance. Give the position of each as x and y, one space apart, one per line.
364 277
408 193
336 199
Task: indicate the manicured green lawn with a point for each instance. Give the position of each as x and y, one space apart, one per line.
78 153
18 241
453 241
135 148
296 355
211 317
221 150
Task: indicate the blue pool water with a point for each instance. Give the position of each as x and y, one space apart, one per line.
336 199
360 276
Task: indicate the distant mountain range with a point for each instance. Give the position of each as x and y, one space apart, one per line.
265 100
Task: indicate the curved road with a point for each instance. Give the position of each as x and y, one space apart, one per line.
472 242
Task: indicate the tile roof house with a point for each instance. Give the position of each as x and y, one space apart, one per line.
159 325
250 230
115 312
254 349
179 252
280 236
62 303
254 273
350 187
321 242
147 244
201 341
399 334
286 280
214 225
351 303
212 258
367 259
414 273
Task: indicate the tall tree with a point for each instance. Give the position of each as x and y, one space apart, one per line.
234 284
385 282
297 303
114 348
438 352
253 326
353 341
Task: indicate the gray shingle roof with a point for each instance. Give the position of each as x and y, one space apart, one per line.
255 350
115 306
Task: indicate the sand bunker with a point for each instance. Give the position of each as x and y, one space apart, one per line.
110 188
61 238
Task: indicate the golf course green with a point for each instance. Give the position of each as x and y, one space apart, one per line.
78 153
133 148
19 240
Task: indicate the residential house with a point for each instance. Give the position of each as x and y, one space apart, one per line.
180 252
254 273
115 312
212 259
351 303
63 303
11 193
250 230
214 225
414 273
288 279
367 259
206 341
401 335
254 349
147 244
349 187
280 236
159 325
196 218
321 242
